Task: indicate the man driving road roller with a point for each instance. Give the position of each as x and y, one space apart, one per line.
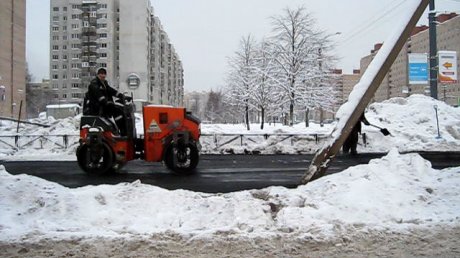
99 99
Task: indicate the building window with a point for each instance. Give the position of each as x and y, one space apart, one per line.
75 36
64 57
55 28
75 46
54 67
55 47
75 56
76 95
56 9
64 18
64 66
102 25
64 85
64 37
55 57
104 45
64 28
75 76
55 76
75 6
103 55
103 35
55 18
64 96
102 65
56 96
75 26
75 85
64 47
64 8
55 37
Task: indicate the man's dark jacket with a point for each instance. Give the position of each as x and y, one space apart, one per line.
98 97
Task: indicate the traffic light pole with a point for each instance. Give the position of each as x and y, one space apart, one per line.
433 52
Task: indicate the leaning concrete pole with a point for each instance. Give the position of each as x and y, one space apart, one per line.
363 92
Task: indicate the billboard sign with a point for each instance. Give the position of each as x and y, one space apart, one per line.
418 68
448 67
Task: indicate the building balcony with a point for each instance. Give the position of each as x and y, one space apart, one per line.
89 44
88 53
89 59
89 33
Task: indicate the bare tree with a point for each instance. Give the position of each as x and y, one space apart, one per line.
241 76
263 95
318 89
295 41
214 111
289 71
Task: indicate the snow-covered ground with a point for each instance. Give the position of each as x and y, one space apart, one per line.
411 121
397 194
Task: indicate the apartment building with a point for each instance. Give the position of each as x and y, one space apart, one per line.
396 82
345 84
125 37
12 57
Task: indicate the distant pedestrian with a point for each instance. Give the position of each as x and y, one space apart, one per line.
351 143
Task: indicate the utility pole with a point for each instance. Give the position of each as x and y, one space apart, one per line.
433 52
12 67
375 74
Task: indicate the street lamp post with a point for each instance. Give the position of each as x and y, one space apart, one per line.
433 52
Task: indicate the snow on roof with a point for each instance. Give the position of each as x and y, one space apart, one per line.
163 106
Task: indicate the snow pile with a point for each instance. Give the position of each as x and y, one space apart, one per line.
397 192
412 123
57 126
34 147
303 138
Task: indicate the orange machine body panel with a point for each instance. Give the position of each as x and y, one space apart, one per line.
159 123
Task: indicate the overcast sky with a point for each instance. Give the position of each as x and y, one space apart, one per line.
206 32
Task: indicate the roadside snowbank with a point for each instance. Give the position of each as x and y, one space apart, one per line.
412 123
397 192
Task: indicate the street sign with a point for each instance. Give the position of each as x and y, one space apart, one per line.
448 67
418 68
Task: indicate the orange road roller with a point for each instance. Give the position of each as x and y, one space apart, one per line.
171 135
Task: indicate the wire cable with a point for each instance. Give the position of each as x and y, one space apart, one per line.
371 24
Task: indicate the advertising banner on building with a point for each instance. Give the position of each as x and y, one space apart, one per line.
418 68
448 67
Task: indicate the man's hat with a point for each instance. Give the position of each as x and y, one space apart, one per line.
101 70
